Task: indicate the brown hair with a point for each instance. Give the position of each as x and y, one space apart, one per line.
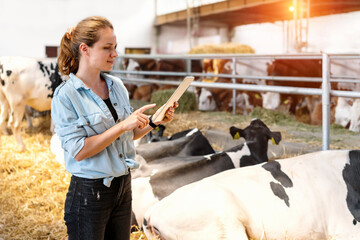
86 31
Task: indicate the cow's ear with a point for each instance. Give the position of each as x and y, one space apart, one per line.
235 132
275 137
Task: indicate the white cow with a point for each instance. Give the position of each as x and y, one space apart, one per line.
312 196
26 81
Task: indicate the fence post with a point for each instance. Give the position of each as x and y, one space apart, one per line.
188 66
234 81
325 101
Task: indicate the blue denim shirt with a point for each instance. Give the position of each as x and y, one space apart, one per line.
78 113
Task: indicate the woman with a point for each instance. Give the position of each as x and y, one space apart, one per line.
97 126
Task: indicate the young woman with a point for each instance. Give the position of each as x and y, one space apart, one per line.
97 126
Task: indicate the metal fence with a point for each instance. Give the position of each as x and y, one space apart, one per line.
326 79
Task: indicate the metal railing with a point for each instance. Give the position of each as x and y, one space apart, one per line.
326 92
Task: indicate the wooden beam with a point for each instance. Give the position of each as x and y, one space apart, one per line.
237 12
210 9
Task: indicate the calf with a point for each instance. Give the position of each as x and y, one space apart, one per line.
184 170
312 196
26 81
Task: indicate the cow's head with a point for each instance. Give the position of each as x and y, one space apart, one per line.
256 135
256 131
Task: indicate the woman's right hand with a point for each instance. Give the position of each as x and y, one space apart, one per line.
137 118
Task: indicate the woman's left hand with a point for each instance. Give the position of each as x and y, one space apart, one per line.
169 114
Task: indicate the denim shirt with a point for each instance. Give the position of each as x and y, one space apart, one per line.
78 113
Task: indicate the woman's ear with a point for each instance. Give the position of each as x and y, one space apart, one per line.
83 49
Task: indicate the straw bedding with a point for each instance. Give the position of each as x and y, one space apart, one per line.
33 188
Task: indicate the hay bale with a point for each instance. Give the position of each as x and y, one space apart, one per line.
222 48
187 102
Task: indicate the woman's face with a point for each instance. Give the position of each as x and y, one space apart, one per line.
103 52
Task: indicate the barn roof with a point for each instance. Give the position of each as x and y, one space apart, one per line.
240 12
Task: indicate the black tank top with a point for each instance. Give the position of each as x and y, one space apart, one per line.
111 108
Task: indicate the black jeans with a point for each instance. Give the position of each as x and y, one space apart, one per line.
94 211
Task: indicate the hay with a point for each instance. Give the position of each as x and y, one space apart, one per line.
33 188
222 48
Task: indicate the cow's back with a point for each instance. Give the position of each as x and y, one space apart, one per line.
30 80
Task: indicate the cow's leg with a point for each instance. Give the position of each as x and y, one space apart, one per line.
28 116
4 113
17 112
2 123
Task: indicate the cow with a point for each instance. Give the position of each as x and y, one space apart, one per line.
180 171
342 111
222 99
143 91
27 81
155 155
295 68
206 101
313 104
219 99
311 196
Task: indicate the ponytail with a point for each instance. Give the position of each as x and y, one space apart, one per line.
68 56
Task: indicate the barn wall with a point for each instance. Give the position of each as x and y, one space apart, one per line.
28 26
174 39
333 34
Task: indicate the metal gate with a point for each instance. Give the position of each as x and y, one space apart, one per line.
326 92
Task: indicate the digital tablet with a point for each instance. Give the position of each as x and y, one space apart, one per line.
174 97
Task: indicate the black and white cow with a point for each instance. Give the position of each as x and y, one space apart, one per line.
26 81
185 143
184 170
158 155
311 196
